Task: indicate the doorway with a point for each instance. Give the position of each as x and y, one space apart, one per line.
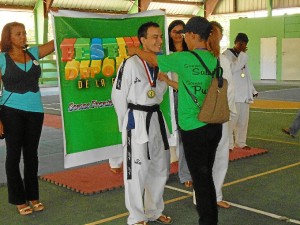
290 58
268 56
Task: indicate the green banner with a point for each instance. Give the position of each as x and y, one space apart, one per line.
90 48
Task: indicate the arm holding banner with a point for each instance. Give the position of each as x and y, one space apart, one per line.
46 49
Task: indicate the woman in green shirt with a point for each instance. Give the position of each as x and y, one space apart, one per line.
200 140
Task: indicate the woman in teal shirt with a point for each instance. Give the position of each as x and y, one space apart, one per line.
21 115
200 140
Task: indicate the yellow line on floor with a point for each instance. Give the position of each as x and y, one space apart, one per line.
178 199
277 141
271 104
262 174
190 195
108 219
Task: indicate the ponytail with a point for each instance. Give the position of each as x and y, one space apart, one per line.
213 42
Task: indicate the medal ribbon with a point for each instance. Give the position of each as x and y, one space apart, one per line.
151 77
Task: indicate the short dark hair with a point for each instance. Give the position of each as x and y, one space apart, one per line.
241 37
198 25
6 44
142 31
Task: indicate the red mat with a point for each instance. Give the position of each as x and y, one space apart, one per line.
238 153
91 179
52 121
98 178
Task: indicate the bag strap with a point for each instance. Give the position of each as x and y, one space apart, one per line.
7 98
203 63
218 70
2 88
195 100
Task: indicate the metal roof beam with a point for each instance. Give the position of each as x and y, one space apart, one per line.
90 10
47 6
16 7
178 2
143 5
210 6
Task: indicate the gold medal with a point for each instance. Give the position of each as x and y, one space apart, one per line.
242 75
151 94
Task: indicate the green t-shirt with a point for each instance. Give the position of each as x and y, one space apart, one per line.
192 73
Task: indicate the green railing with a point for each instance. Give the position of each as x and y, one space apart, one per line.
49 70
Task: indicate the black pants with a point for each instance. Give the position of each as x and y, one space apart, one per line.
200 147
22 134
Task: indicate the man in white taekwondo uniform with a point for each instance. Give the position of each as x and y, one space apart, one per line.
136 96
244 90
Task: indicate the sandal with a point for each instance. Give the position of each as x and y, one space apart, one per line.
163 219
246 147
116 170
25 211
188 184
37 207
223 204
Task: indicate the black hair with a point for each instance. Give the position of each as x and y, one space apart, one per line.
142 31
241 37
173 24
199 25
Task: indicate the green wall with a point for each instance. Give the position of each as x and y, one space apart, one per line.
292 26
256 28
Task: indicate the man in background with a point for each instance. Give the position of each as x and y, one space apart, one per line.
294 128
244 91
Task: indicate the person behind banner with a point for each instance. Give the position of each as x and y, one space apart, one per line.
22 114
177 44
115 164
200 140
136 95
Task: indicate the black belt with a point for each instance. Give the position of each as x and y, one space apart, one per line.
150 110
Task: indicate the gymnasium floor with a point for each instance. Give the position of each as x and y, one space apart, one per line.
263 190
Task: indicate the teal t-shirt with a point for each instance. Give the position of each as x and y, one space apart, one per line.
28 101
192 73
